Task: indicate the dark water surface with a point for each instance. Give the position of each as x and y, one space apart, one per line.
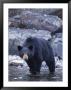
17 73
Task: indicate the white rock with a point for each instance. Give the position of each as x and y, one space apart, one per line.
15 78
20 77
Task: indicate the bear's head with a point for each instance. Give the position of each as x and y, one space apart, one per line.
27 50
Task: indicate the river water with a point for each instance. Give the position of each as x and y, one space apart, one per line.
18 73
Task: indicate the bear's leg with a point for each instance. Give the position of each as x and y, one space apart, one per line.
38 66
35 69
34 66
31 66
51 65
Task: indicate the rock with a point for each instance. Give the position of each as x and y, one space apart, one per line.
57 47
15 60
13 12
57 12
30 20
58 63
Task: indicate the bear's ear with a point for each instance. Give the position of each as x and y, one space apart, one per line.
19 48
29 39
30 47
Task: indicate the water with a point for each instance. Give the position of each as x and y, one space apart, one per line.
18 73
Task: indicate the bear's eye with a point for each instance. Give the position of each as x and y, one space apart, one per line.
30 47
19 48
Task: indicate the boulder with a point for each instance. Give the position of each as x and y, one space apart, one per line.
29 20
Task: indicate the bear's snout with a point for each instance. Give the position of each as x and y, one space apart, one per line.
25 56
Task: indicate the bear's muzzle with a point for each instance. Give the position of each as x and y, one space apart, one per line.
25 57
